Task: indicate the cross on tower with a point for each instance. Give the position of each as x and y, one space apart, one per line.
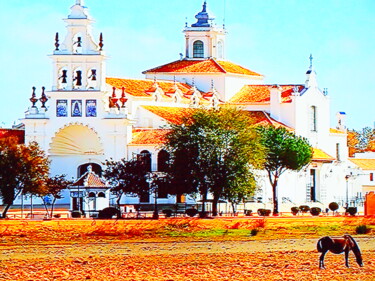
79 2
311 60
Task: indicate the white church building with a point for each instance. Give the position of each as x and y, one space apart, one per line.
88 117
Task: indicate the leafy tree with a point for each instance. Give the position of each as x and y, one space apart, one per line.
284 151
23 169
213 151
126 177
54 188
361 141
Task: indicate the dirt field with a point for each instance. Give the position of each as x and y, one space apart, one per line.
179 249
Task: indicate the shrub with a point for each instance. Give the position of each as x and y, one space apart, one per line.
362 229
203 215
333 206
109 213
254 232
191 212
76 214
168 213
294 210
304 208
248 212
264 212
57 216
352 210
315 211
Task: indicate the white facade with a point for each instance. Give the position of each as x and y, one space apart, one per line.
87 121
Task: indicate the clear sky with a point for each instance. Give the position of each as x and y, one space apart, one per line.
272 37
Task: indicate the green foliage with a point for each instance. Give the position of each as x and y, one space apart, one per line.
54 188
352 211
364 140
213 151
284 151
109 213
23 169
127 177
362 229
191 212
254 232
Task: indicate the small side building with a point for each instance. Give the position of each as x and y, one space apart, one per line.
89 194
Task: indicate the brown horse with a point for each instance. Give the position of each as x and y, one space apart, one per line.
338 245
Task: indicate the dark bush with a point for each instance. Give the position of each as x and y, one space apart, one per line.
333 206
76 214
304 208
264 212
191 212
109 213
203 215
57 216
362 229
167 213
254 232
294 210
315 211
352 211
248 212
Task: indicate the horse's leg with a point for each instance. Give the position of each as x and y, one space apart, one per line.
321 260
347 257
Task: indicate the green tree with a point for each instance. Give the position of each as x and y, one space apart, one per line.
54 188
23 170
213 151
126 177
284 151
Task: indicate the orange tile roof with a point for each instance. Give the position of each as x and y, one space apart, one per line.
261 118
262 94
335 131
19 134
173 115
141 87
90 179
320 155
149 136
364 164
202 66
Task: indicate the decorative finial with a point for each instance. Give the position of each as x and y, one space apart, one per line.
325 91
186 23
33 98
113 99
212 83
89 168
101 42
43 99
311 61
79 2
57 41
193 81
123 98
204 7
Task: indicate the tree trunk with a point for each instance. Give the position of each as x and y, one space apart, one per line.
275 199
53 206
6 210
214 206
45 206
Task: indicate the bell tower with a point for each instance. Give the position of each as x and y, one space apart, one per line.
204 39
78 61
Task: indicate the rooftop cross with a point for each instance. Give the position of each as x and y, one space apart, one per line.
79 2
311 61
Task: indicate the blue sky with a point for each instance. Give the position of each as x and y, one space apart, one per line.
273 37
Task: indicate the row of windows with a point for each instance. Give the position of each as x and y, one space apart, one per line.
75 108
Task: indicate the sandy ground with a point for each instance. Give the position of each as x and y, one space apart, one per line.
289 259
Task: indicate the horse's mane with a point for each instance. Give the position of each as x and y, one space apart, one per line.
353 243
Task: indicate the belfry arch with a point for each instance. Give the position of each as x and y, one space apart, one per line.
76 139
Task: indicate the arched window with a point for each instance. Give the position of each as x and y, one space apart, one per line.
77 44
198 49
92 195
101 195
220 50
313 118
163 160
62 79
145 156
97 169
